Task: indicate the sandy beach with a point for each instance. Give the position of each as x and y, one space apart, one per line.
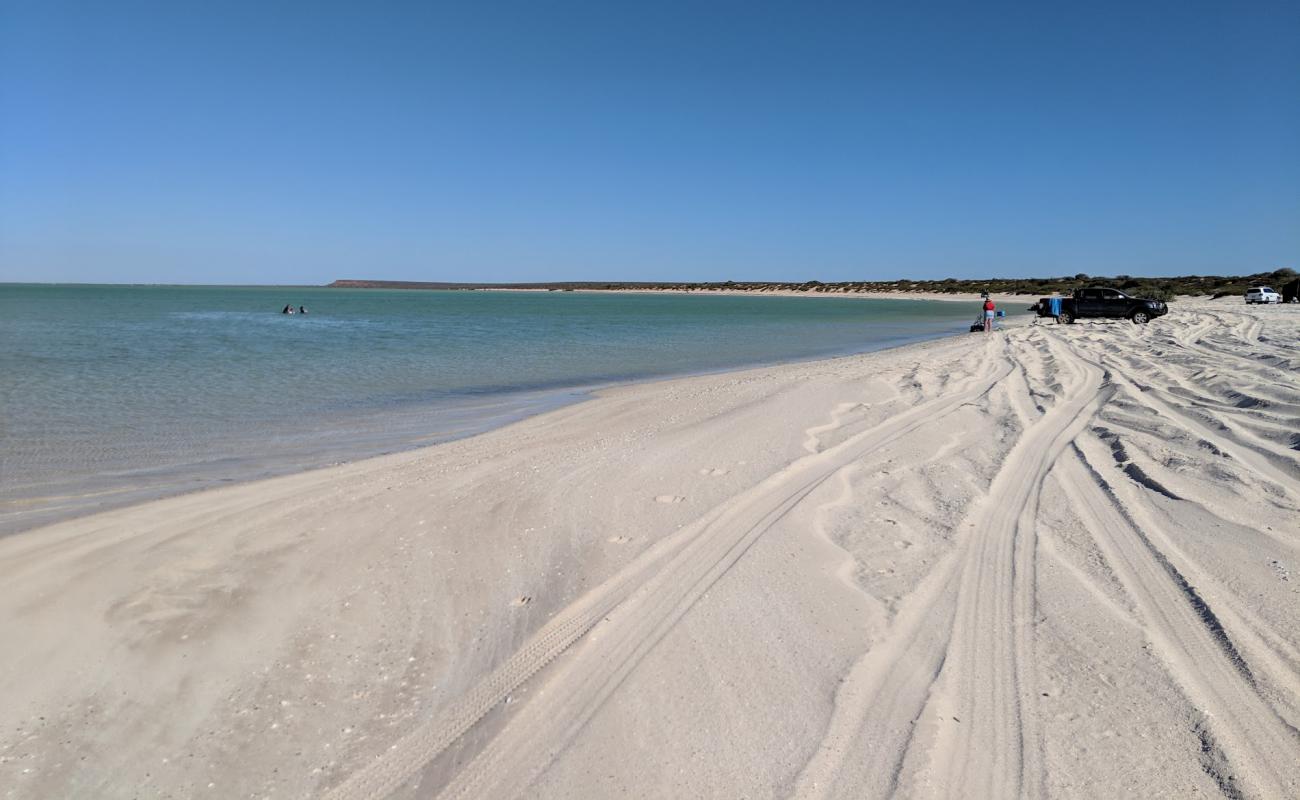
1005 301
1053 561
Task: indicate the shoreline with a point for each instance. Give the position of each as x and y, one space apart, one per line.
543 401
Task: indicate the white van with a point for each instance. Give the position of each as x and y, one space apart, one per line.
1262 294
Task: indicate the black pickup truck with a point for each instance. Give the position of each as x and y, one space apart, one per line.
1100 304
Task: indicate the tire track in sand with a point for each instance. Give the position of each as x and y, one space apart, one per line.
987 681
542 729
971 619
1271 655
1270 462
1262 748
653 592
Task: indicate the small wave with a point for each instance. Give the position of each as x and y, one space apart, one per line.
272 317
223 316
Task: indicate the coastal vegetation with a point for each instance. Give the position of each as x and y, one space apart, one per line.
1157 288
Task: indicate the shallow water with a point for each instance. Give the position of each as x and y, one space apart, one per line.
111 394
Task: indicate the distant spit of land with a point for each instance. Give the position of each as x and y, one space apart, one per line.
1163 288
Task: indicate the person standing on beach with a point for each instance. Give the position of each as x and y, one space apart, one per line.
988 314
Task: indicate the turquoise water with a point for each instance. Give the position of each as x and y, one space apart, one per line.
110 394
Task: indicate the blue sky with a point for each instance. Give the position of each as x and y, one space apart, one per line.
297 143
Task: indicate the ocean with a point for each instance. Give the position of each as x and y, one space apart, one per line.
114 394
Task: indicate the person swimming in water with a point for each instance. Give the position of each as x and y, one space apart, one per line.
302 309
287 310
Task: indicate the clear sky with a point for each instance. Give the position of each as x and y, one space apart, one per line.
282 142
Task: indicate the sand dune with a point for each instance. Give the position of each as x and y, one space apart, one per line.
1057 561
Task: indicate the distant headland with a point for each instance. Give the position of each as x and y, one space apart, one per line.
1163 288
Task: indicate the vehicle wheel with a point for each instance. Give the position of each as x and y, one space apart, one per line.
1065 318
1140 318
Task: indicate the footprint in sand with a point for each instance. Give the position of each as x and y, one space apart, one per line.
522 601
669 498
618 539
713 471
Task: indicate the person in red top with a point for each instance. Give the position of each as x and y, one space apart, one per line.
988 314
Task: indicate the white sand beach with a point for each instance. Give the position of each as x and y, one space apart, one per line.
1054 561
1016 301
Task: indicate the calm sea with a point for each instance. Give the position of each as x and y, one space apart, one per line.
113 394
